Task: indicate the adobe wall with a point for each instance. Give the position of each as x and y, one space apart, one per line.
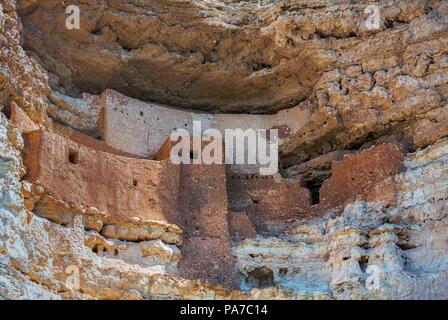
241 226
76 176
164 152
265 199
90 142
205 219
358 174
141 128
138 127
270 200
214 204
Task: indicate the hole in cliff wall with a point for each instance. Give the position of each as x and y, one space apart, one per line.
260 278
6 110
135 182
73 156
260 66
283 272
363 262
406 246
314 187
96 31
99 250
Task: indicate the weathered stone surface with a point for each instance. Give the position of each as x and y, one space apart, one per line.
357 174
241 56
21 121
365 104
144 253
42 269
22 79
81 114
144 230
76 177
372 250
244 56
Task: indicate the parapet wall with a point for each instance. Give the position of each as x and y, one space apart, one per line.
357 174
213 204
266 199
141 128
74 175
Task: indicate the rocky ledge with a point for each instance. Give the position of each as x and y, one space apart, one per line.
357 211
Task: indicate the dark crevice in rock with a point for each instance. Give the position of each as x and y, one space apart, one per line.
260 278
314 187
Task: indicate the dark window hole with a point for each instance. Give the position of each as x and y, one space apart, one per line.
283 271
315 191
363 262
73 156
261 278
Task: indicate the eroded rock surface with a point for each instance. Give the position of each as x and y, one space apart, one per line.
372 250
359 210
239 56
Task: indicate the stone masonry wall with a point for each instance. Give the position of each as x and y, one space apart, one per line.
267 199
141 128
204 216
357 174
75 177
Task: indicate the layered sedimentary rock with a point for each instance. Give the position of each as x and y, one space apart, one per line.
358 83
222 53
45 260
91 208
22 79
373 249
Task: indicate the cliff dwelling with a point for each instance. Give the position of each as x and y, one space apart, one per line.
126 188
92 205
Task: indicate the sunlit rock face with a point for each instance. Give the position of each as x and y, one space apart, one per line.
358 209
372 250
242 56
360 84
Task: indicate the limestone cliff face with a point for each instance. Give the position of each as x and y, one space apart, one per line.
372 250
261 56
241 55
358 212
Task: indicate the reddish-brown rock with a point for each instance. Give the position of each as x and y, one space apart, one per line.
358 174
21 120
267 199
240 226
76 176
